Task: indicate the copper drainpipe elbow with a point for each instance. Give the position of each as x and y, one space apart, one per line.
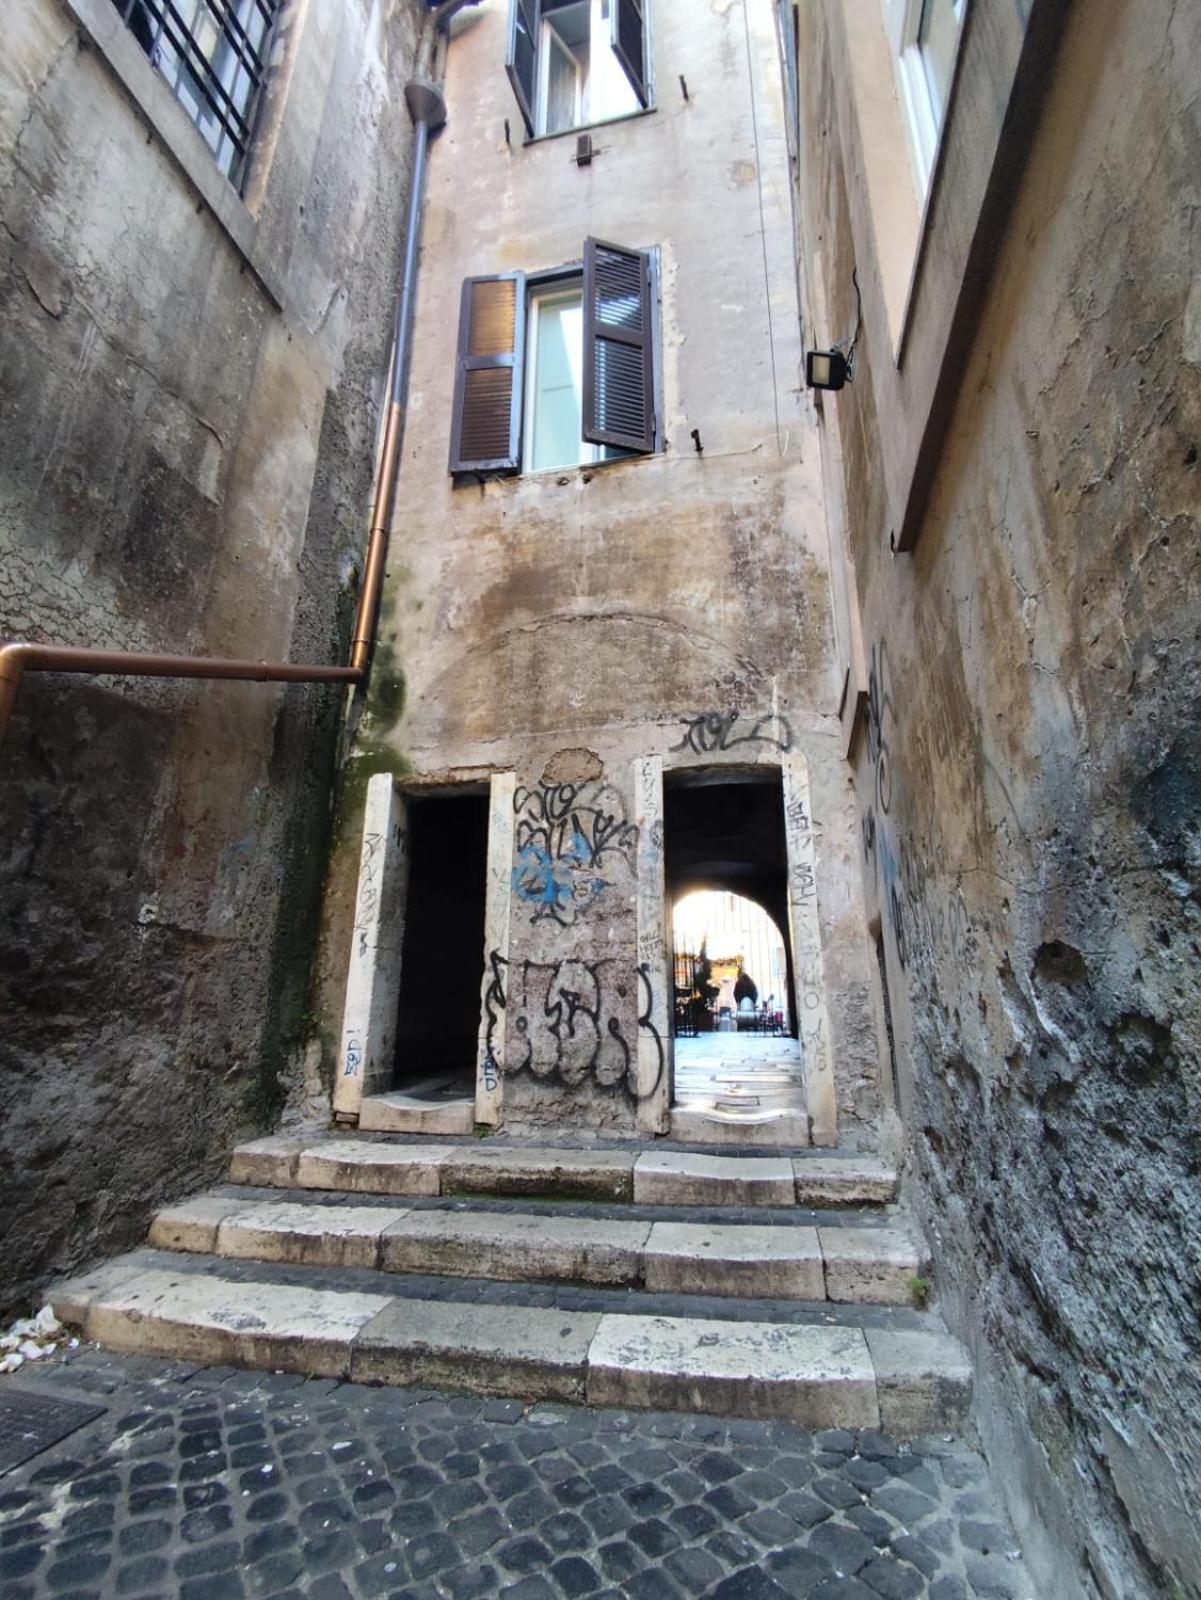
14 657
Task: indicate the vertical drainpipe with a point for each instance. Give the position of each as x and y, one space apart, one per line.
427 107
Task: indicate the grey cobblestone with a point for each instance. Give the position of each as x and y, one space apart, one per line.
211 1484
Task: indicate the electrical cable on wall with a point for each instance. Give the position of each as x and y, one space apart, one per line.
771 336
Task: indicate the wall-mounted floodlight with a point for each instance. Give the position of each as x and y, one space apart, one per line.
826 369
830 369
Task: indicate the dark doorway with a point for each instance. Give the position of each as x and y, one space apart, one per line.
729 835
442 960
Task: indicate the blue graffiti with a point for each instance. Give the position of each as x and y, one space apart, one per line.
556 888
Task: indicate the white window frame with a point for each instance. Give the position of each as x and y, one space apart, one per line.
923 125
536 293
550 41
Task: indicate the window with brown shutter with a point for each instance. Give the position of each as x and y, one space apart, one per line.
486 427
619 398
557 369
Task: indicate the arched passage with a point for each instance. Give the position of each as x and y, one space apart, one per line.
726 867
731 965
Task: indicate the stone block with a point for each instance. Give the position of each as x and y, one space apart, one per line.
70 1299
365 1168
870 1266
198 1317
485 1349
516 1247
408 1113
192 1224
270 1162
924 1381
324 1236
820 1377
563 1174
844 1181
782 1263
674 1178
776 1130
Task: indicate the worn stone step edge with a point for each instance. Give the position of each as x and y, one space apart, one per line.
846 1265
653 1177
818 1376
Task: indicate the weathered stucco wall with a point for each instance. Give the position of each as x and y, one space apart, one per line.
1030 794
184 466
584 618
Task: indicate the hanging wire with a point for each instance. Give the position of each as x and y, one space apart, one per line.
781 445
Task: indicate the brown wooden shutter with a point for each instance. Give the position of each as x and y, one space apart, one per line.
521 56
619 402
485 432
627 21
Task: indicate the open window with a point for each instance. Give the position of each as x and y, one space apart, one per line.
556 370
573 63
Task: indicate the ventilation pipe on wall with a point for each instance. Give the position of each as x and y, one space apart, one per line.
427 107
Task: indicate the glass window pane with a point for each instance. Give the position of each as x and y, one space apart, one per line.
609 91
562 79
938 39
557 388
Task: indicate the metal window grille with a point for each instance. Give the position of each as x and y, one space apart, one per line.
213 53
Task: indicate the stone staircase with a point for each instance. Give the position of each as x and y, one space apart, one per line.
635 1276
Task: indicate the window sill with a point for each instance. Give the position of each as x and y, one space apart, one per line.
588 127
580 471
105 32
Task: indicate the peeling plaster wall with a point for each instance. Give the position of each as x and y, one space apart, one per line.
604 609
1030 793
184 466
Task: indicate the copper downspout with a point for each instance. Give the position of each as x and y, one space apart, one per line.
17 657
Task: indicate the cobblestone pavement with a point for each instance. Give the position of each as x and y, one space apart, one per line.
212 1484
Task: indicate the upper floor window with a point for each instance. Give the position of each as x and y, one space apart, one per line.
559 371
577 62
213 53
924 35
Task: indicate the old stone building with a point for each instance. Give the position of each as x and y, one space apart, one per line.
192 377
787 458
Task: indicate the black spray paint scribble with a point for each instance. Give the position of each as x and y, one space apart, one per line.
565 1027
494 1004
568 835
718 730
644 1021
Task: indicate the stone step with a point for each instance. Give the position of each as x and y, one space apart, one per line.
818 1375
365 1165
856 1265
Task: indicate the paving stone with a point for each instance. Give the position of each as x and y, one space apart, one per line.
327 1236
811 1374
191 1224
565 1174
774 1263
830 1181
489 1349
870 1265
516 1246
368 1168
207 1318
675 1178
270 1162
924 1380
